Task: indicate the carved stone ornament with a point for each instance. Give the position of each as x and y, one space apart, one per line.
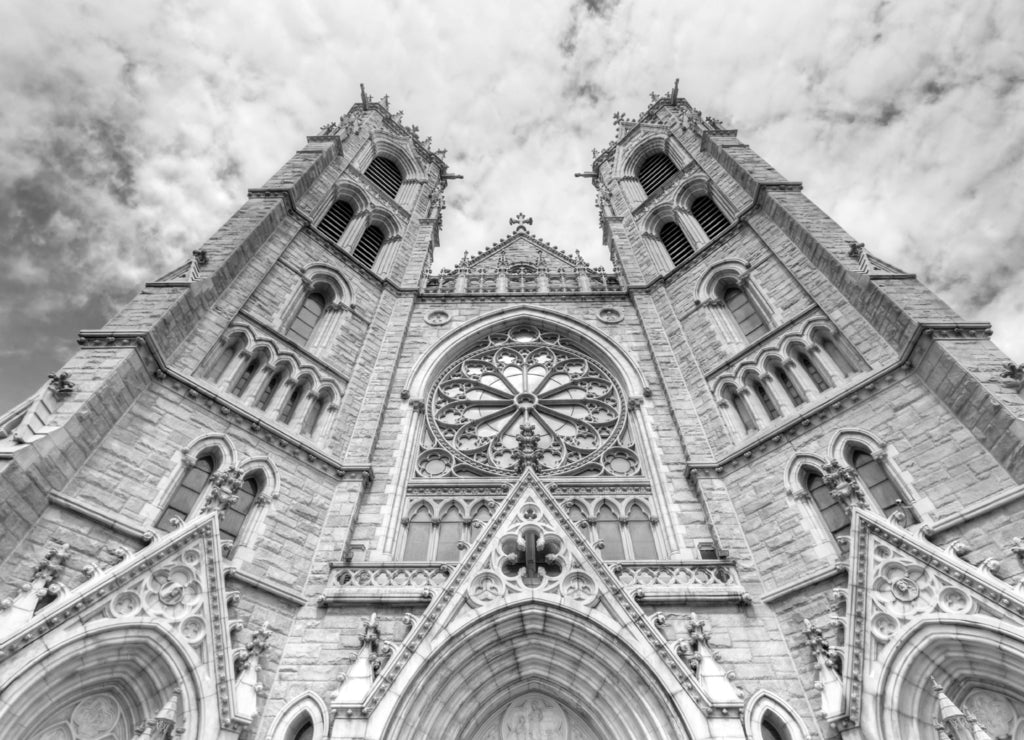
529 552
897 580
609 315
527 398
437 318
176 582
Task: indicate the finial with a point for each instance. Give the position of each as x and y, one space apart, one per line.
619 118
363 96
520 221
675 91
384 100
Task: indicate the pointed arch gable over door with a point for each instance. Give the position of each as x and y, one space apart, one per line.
532 650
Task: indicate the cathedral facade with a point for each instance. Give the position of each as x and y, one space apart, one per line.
749 483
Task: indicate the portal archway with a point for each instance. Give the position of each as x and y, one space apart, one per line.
572 665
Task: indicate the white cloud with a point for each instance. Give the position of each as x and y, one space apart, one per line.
130 132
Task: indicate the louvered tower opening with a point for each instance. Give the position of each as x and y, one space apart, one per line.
708 216
336 220
385 174
369 246
655 170
676 243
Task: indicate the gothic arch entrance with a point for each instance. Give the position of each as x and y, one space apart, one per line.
535 671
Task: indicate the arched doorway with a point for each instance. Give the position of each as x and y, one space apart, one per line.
536 671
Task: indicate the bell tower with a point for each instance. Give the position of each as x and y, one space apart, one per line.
751 483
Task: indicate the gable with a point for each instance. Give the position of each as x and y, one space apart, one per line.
175 584
531 560
522 249
899 582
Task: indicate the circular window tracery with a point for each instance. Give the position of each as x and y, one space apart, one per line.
523 397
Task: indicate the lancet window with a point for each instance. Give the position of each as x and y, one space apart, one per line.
302 325
676 243
431 537
337 219
628 536
369 245
385 174
708 215
654 171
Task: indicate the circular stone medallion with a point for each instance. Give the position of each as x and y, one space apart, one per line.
609 315
437 318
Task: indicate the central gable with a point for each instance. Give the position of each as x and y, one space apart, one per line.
520 250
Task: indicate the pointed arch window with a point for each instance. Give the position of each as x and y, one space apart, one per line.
710 218
641 534
243 380
838 357
766 399
772 728
304 731
481 515
369 245
794 394
188 490
876 480
739 404
655 171
313 415
812 370
312 308
676 243
417 535
836 519
337 219
267 394
292 402
609 532
385 174
750 321
449 532
233 517
224 359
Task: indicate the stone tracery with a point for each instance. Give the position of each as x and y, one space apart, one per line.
526 398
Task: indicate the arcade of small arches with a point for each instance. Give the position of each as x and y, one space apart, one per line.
441 530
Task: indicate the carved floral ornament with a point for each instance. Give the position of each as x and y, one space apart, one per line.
526 398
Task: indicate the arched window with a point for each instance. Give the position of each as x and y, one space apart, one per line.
336 220
292 402
794 394
835 517
766 399
708 216
224 359
654 171
267 394
188 490
641 534
306 319
577 517
449 532
417 535
812 370
233 517
385 174
676 243
303 731
316 410
876 480
610 533
838 357
773 728
742 410
481 515
750 321
369 246
246 376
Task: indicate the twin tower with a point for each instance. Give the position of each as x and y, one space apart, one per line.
750 483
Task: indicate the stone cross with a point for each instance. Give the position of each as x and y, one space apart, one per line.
520 221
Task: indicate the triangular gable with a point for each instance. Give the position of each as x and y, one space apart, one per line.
520 248
176 581
896 580
484 581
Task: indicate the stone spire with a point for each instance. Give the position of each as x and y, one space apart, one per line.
952 722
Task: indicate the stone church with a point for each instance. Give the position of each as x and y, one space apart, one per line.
749 483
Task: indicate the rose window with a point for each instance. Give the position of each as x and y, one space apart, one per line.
526 398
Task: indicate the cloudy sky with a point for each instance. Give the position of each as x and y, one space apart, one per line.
130 131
